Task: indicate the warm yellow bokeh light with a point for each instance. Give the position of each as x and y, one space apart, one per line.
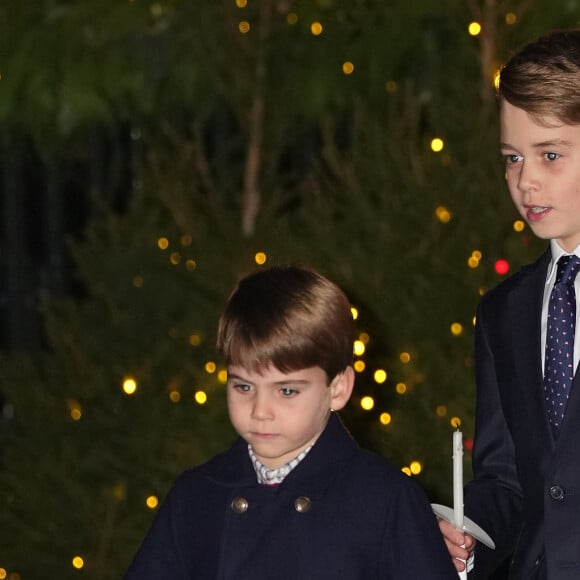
241 3
385 418
519 226
380 376
401 388
456 329
405 358
354 312
347 68
367 403
129 385
416 467
364 337
75 410
437 144
163 243
316 28
200 397
443 214
191 265
78 562
455 422
406 470
222 376
260 258
511 18
359 366
441 410
391 87
186 240
174 396
175 258
152 502
244 27
496 76
138 281
474 28
358 347
210 367
474 259
195 339
3 573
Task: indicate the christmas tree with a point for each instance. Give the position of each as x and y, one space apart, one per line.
360 140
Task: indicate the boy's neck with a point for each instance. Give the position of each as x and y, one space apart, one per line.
274 476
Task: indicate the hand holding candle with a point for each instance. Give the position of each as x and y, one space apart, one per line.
455 516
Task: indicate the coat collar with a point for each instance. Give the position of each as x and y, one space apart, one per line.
315 472
525 304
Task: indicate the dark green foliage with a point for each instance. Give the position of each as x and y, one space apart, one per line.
347 182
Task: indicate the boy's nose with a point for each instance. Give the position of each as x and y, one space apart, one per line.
527 180
262 408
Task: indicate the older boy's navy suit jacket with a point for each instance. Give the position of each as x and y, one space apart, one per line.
342 514
526 488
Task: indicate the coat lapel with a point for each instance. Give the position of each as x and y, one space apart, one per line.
526 306
570 424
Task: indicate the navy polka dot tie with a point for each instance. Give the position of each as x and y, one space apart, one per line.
559 366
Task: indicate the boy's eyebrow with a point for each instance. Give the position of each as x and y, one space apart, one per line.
282 382
553 142
541 144
237 377
503 145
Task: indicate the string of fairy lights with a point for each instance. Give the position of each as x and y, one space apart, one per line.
129 384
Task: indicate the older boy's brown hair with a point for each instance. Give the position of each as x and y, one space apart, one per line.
290 317
543 78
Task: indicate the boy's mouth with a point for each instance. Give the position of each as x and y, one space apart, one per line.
264 435
535 213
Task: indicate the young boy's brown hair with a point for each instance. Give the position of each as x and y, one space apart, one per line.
543 78
290 317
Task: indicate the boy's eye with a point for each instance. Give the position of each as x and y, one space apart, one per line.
287 391
512 158
551 156
243 388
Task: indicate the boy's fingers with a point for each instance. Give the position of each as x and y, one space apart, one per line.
451 533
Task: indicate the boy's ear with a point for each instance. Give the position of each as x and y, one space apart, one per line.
341 388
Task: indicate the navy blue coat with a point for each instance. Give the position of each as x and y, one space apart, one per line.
526 489
342 514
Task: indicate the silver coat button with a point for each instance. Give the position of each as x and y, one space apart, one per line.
557 493
240 505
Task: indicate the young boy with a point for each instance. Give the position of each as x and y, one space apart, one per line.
294 498
526 487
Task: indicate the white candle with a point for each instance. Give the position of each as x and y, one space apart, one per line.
458 487
458 478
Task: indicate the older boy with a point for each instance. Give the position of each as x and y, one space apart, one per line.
294 498
526 487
